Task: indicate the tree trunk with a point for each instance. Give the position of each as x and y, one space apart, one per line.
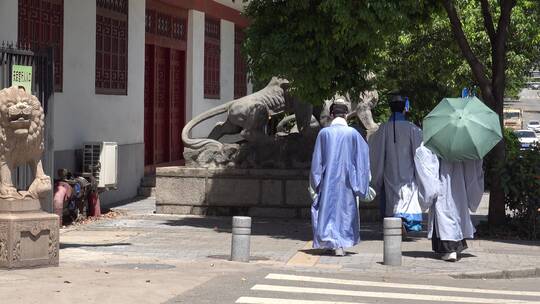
497 209
492 90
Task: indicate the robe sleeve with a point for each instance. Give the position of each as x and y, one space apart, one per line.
360 182
416 138
376 156
427 174
317 168
474 182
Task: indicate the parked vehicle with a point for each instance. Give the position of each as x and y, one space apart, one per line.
534 125
513 118
527 138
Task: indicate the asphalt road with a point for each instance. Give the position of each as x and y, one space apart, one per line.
283 287
529 102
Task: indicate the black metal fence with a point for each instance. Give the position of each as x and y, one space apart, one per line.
42 87
41 62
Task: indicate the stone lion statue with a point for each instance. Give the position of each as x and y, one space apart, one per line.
21 142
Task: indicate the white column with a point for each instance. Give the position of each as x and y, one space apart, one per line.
9 20
227 61
195 63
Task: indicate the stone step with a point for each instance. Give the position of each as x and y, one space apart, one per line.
147 191
148 181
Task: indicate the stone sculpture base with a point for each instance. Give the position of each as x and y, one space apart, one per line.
28 236
229 192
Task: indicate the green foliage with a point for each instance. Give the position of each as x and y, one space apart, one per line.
324 46
426 64
421 63
521 183
511 142
381 112
329 46
512 148
520 174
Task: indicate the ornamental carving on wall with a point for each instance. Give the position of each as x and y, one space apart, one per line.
53 244
3 243
16 252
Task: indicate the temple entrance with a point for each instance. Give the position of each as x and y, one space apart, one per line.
164 91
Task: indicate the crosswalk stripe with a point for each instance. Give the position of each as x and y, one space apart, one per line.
286 277
386 295
255 300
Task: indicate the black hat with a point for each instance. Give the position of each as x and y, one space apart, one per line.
397 103
339 107
396 98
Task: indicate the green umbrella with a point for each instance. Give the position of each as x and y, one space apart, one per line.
461 129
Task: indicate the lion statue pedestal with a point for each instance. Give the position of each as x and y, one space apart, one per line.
28 235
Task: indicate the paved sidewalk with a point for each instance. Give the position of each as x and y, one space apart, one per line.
284 242
140 255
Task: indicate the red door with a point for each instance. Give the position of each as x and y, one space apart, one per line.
178 71
164 91
162 107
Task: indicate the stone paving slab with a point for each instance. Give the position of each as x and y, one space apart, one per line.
186 237
139 233
482 255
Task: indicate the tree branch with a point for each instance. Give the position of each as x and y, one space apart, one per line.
499 48
479 71
488 21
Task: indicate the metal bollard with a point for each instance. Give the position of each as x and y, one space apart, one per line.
392 241
241 233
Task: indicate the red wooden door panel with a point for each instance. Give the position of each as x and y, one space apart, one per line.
165 74
149 78
162 106
178 73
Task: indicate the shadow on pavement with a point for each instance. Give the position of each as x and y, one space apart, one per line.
324 252
432 255
228 257
513 242
295 229
75 245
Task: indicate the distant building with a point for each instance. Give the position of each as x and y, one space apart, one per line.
132 72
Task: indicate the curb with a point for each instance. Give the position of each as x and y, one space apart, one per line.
500 274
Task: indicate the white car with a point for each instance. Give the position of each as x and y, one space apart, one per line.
534 125
527 138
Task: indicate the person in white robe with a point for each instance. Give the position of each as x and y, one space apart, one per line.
450 190
392 150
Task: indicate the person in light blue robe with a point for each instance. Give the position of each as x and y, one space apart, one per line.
339 174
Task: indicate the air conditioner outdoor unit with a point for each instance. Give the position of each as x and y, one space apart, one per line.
101 159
